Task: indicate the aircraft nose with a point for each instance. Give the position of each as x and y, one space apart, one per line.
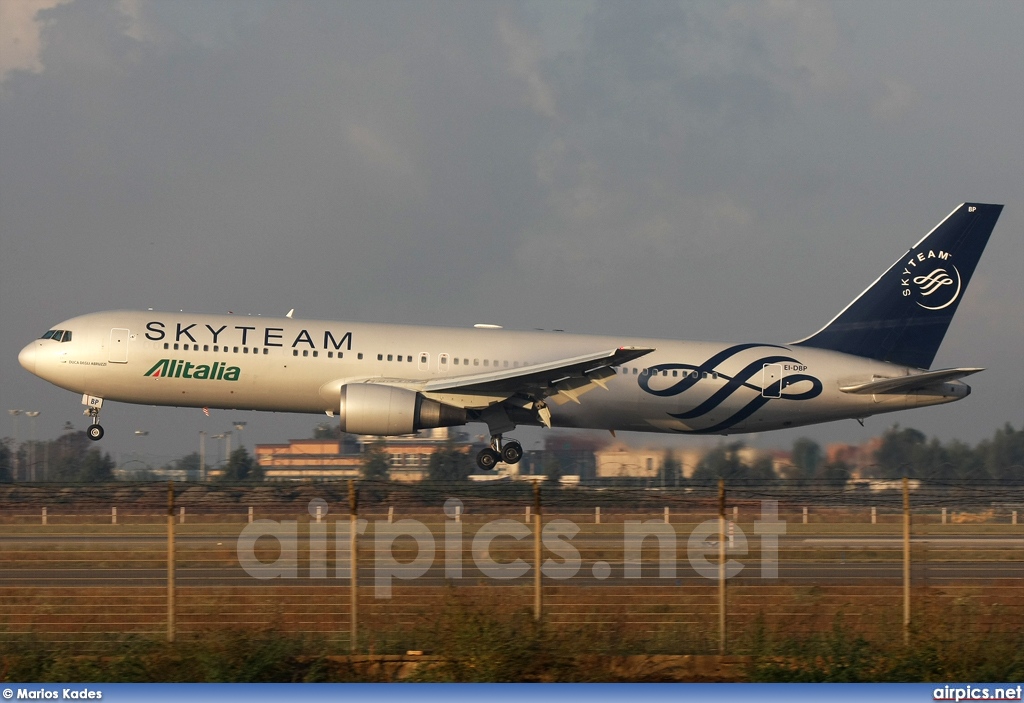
27 357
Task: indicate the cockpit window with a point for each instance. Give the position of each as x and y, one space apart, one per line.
58 335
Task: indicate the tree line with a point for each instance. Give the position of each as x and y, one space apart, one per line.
901 451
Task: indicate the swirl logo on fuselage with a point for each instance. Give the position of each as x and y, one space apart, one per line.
733 383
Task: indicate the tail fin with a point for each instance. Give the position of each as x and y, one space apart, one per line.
903 316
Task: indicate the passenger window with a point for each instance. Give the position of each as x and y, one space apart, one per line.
330 355
175 346
206 347
359 355
236 350
380 357
486 362
305 352
389 357
266 351
166 345
456 361
316 354
675 374
295 352
399 357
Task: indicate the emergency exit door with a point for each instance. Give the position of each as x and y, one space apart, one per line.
771 381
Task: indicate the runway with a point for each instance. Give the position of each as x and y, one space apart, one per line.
44 560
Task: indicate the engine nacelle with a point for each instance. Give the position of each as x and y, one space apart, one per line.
369 408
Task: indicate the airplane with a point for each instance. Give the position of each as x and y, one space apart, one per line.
385 379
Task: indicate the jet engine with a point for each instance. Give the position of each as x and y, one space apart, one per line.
375 409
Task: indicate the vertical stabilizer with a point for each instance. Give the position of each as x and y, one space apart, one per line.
903 316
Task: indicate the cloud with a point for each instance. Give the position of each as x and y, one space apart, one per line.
21 35
525 54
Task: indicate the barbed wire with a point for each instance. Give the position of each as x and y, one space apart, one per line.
881 493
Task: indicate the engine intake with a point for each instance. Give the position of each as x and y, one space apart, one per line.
368 408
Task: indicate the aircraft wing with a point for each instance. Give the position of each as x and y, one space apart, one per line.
540 380
907 384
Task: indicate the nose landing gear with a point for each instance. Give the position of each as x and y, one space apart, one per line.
510 452
92 410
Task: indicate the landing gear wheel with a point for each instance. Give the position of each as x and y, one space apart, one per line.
487 458
95 432
512 452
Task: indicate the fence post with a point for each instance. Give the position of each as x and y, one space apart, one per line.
353 505
527 514
666 515
170 561
906 561
597 515
391 514
805 515
1013 521
250 514
721 566
874 515
538 599
44 516
943 516
113 516
181 515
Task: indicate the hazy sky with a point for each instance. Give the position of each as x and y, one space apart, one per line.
731 171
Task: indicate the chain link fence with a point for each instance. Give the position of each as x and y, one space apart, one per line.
627 570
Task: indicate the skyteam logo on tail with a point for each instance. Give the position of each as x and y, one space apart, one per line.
935 289
176 368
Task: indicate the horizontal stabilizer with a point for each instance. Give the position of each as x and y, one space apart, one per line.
908 384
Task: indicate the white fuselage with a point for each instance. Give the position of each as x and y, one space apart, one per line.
289 365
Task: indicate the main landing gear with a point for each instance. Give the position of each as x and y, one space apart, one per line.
509 452
92 410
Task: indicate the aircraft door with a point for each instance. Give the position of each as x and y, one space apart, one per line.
424 361
771 381
118 352
442 363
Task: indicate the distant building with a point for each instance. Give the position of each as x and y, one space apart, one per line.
622 461
324 459
859 457
619 460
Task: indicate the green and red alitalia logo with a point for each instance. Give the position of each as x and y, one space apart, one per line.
176 368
